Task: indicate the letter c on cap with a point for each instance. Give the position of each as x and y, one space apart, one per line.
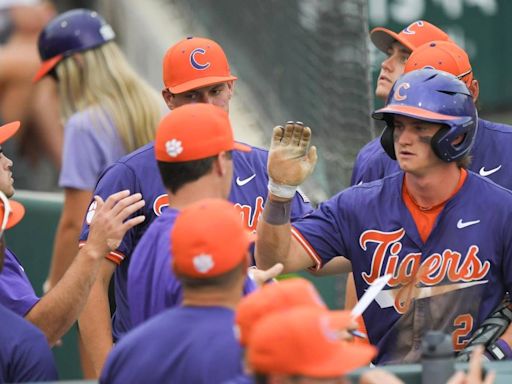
397 96
408 30
195 63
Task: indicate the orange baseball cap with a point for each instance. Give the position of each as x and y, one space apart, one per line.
8 130
195 62
193 132
17 211
414 35
306 342
271 298
208 239
444 56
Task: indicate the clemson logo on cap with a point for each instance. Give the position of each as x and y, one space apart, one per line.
203 263
410 31
195 63
397 96
173 147
90 212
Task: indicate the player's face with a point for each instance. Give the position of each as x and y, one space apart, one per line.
391 69
413 151
217 94
6 179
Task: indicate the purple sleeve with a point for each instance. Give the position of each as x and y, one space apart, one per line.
16 291
321 234
87 151
116 178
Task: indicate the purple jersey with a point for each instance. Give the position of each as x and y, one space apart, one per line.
451 282
490 157
181 345
152 286
139 172
16 291
25 355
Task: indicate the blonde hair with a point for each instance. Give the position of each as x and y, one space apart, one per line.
101 77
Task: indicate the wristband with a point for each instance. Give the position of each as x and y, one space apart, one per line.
281 190
499 350
277 212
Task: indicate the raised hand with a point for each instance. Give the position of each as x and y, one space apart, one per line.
109 223
291 159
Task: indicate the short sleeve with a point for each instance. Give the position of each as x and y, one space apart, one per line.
87 150
117 177
320 232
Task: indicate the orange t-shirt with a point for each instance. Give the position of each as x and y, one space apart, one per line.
426 217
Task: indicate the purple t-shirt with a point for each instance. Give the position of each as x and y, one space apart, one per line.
88 149
138 172
25 355
16 291
465 264
181 345
490 157
152 285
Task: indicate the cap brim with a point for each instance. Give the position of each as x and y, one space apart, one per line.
201 82
382 38
46 67
242 147
414 112
17 213
8 130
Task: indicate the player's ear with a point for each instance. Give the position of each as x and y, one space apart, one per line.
168 98
474 88
222 160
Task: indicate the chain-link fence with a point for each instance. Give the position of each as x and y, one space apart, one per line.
304 60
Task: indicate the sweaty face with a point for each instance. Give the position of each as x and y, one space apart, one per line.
412 139
391 69
6 179
217 94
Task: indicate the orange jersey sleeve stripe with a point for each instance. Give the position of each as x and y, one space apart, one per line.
114 256
308 248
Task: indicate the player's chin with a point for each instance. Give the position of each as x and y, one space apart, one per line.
382 89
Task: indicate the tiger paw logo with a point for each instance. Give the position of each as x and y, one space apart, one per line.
203 263
90 212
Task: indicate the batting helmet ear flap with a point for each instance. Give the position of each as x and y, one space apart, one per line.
435 143
386 140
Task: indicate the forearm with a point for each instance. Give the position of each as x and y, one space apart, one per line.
64 251
274 234
95 327
56 312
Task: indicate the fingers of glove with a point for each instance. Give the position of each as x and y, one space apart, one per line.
288 133
277 135
312 157
297 133
305 139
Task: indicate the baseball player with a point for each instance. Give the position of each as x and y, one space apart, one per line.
194 70
194 342
490 153
193 149
398 48
55 312
440 230
24 352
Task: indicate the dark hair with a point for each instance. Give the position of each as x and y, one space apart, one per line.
224 280
260 378
176 175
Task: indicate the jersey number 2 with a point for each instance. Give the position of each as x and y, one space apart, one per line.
464 325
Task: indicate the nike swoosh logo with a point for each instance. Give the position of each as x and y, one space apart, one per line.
483 172
242 182
463 224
